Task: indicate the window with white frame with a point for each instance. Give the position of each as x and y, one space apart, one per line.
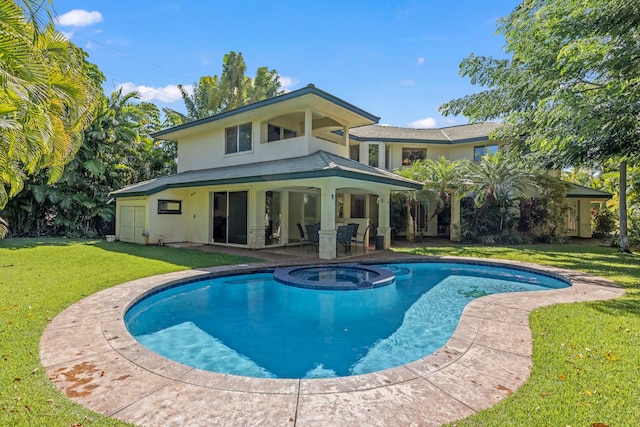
483 150
238 138
410 155
354 152
276 133
374 155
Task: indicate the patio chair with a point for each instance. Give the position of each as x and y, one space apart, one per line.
344 237
365 243
312 235
303 239
355 227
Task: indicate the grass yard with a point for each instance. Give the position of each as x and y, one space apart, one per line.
41 277
586 356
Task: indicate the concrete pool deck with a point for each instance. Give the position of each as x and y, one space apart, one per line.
89 355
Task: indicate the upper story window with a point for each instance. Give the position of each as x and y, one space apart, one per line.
410 155
276 133
483 150
354 152
374 155
238 139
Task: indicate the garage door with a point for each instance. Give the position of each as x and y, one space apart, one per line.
132 224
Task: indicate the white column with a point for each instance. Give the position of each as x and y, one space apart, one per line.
454 229
327 247
308 124
384 228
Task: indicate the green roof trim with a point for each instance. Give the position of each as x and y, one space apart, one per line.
317 165
576 191
419 141
307 90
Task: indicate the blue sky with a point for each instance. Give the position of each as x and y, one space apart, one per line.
395 59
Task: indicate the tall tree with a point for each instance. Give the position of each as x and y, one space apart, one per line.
570 90
117 151
232 89
441 178
48 95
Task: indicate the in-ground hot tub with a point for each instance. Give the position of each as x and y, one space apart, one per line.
346 277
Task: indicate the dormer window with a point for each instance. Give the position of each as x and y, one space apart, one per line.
238 139
276 133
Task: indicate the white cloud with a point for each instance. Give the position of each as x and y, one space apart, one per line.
408 82
79 18
420 61
288 83
426 123
169 93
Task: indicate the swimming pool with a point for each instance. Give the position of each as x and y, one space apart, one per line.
254 326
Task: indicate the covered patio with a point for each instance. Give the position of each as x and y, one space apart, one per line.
260 205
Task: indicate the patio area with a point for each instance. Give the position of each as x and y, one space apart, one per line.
88 354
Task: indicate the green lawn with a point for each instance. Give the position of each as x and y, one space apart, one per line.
586 356
41 277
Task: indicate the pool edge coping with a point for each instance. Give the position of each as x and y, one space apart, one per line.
483 335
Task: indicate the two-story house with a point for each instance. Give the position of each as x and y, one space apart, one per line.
250 176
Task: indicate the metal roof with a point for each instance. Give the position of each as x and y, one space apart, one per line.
317 165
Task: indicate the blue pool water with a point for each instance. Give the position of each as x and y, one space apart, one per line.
254 326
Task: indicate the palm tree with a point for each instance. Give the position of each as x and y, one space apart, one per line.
441 179
497 180
48 96
232 89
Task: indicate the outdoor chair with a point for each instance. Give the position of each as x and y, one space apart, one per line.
344 236
312 235
355 227
303 239
365 243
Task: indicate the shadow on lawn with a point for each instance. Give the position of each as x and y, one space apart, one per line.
179 256
33 242
191 258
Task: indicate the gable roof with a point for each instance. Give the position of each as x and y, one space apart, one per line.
309 90
448 135
576 191
317 165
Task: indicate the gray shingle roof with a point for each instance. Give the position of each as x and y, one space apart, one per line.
448 135
317 165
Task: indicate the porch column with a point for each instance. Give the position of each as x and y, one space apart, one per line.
308 123
584 214
384 228
454 229
256 220
345 136
327 247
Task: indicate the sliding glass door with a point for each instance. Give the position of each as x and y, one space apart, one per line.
229 216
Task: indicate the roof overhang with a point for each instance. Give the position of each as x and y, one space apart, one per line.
308 97
576 191
319 165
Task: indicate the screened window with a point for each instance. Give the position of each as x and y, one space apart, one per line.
354 152
276 133
169 207
410 155
357 205
483 150
374 155
238 138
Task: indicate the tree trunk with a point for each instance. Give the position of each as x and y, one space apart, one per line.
624 235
